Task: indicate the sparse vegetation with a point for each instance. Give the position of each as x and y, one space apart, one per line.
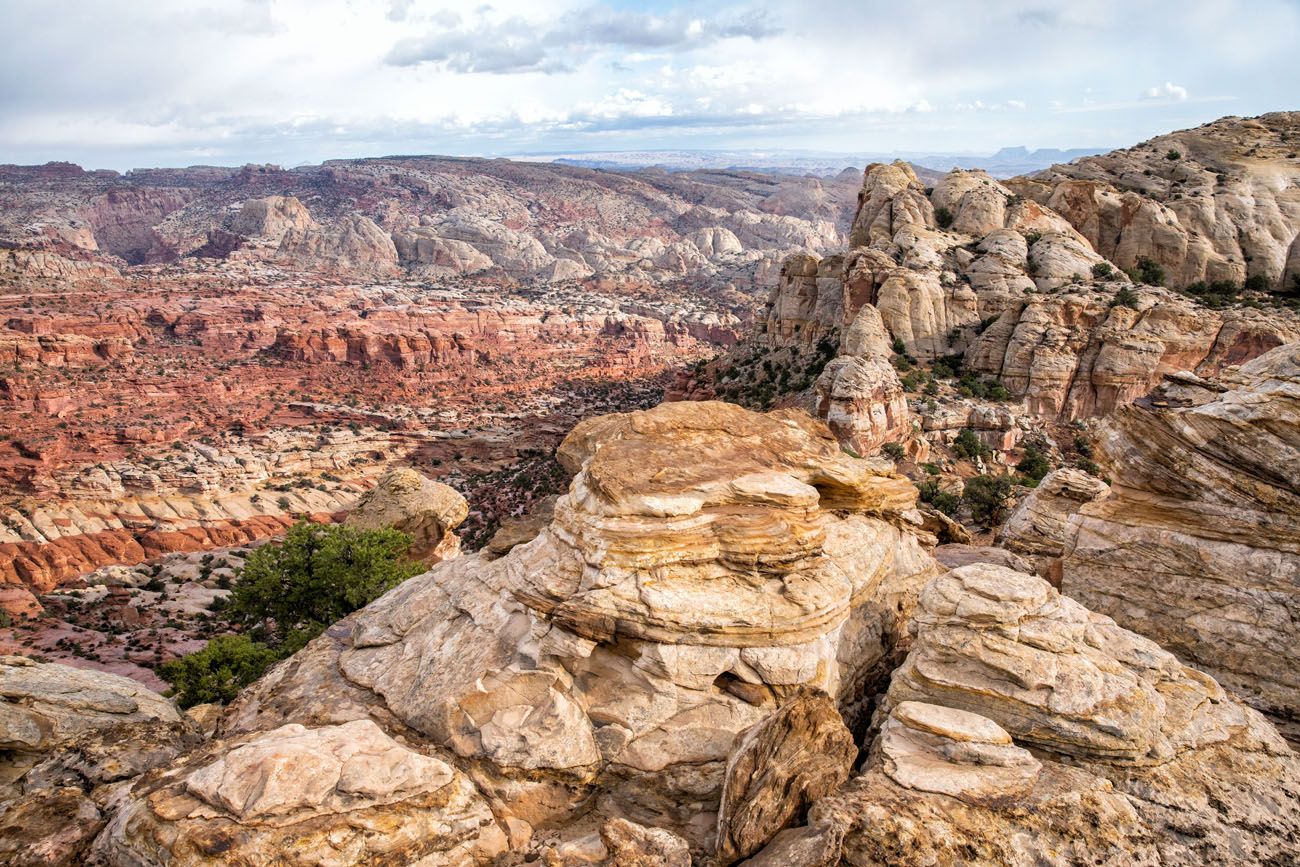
943 217
968 445
989 498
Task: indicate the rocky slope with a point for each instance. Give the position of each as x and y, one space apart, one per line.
1024 293
1024 729
1198 545
1219 202
427 216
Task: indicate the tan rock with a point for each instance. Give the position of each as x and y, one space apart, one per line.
339 794
1038 524
633 845
779 767
423 509
1199 545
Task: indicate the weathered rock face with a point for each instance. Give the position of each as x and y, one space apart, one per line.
1130 748
993 271
44 705
1220 202
778 768
706 562
1038 525
352 245
423 509
272 217
346 794
1078 355
1199 545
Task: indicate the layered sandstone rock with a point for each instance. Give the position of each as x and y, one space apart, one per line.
351 245
1037 527
1219 202
346 794
1199 545
423 509
272 217
44 705
1023 726
706 562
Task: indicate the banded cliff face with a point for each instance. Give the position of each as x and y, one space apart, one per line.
1198 545
973 266
1219 202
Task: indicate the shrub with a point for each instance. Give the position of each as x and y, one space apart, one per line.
317 575
1173 155
894 451
1034 463
1150 271
931 494
1126 297
969 445
1102 271
988 498
1256 283
217 672
899 347
943 217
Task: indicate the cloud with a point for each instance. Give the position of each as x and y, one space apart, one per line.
399 9
516 44
1170 91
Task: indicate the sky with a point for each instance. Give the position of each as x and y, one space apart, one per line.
133 83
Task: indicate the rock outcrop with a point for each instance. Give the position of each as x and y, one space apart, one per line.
1219 202
410 503
1038 525
352 245
45 705
346 794
706 563
1198 547
271 218
1023 727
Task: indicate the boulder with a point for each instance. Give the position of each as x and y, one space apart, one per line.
423 509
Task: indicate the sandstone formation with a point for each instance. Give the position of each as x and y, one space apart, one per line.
1198 547
43 706
346 794
1014 276
1220 202
1037 527
1023 729
353 245
410 503
272 217
706 563
778 769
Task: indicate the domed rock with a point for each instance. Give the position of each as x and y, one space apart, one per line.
706 562
423 509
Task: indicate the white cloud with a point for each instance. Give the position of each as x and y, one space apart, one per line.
116 83
1169 91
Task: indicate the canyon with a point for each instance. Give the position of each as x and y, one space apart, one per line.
878 518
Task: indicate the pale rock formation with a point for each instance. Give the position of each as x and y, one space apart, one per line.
515 253
633 845
1037 527
423 509
272 217
706 562
346 794
716 242
859 393
1226 207
422 249
778 768
43 705
350 245
1131 750
1198 547
938 749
